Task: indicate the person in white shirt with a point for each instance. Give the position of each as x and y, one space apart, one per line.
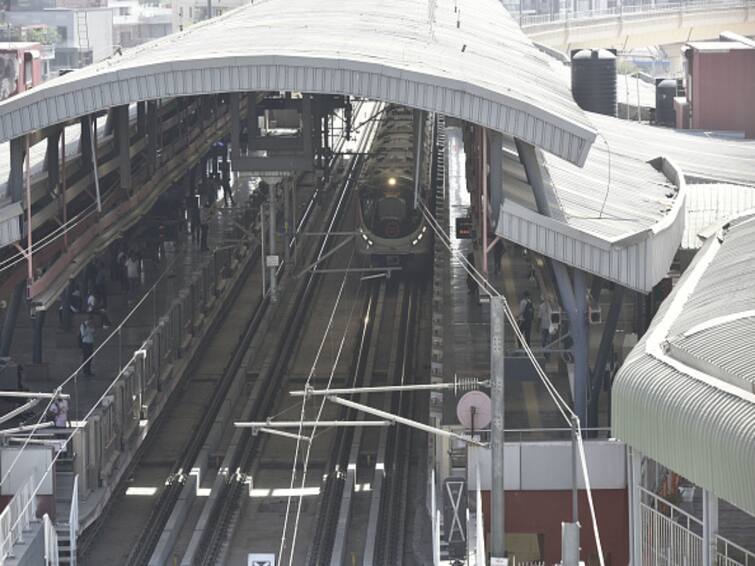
86 341
59 411
544 316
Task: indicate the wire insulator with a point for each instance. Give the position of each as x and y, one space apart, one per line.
465 384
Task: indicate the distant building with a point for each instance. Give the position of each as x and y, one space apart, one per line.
20 67
134 23
84 35
720 77
188 12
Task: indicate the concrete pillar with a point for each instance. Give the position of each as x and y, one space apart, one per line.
52 161
710 527
85 140
16 177
574 298
634 477
497 493
235 125
141 119
152 136
579 329
251 118
123 137
38 326
271 244
604 351
11 316
495 188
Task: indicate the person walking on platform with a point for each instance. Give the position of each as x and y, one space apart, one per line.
86 342
544 316
526 315
132 271
205 226
93 307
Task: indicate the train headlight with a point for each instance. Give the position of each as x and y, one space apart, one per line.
392 181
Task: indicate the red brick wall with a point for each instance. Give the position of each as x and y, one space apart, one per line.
723 91
543 511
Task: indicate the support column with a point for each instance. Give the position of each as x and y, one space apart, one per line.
11 316
38 324
497 493
287 219
141 119
574 299
65 303
604 351
235 126
710 527
16 177
484 198
495 188
578 327
152 133
52 161
123 136
271 244
634 482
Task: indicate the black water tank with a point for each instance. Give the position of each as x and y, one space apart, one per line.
593 79
665 91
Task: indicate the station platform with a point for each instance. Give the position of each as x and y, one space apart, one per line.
465 317
132 313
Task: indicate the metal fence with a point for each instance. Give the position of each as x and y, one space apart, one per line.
52 556
17 517
673 537
147 352
565 16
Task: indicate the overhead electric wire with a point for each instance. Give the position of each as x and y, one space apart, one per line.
301 417
561 404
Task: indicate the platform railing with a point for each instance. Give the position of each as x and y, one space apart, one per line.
528 21
16 518
52 556
73 517
124 413
673 537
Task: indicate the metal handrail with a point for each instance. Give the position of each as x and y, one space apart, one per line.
73 518
16 517
567 17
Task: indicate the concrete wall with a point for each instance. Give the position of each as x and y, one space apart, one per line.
723 91
541 513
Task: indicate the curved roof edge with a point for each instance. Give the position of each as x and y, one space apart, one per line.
688 415
480 68
43 107
637 261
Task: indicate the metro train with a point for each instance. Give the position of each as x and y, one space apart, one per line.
392 230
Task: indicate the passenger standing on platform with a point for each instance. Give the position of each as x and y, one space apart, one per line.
544 316
526 315
76 300
122 272
132 271
497 255
86 341
205 226
59 412
93 307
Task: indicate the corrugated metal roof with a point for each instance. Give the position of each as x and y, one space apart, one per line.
470 62
709 204
618 217
713 159
684 395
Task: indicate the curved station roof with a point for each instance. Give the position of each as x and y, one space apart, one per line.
686 394
464 59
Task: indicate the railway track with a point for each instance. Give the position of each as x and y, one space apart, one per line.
187 421
219 517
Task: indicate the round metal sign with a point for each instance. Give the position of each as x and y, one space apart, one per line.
473 410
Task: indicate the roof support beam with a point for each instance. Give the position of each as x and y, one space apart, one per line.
606 343
573 297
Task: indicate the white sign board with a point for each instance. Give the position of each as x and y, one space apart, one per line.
272 260
499 561
261 559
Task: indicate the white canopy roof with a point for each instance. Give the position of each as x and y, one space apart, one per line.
464 59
